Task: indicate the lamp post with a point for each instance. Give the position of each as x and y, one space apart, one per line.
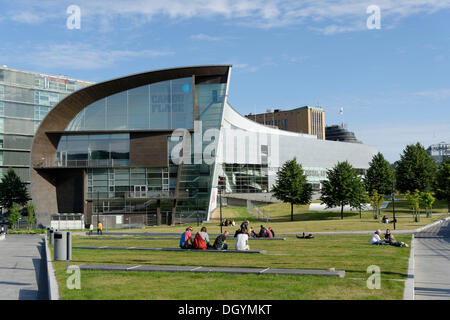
220 188
393 203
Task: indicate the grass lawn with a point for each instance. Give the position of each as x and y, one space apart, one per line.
351 253
304 221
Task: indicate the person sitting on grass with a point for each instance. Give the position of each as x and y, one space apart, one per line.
385 219
273 233
262 232
376 238
242 241
201 240
252 233
220 243
389 239
186 239
244 225
304 236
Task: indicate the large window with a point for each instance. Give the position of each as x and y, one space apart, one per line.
93 150
162 105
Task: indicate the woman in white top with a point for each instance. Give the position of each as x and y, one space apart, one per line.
242 241
376 238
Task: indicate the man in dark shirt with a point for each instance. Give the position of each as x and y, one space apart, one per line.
220 244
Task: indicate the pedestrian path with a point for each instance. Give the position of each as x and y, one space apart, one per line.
236 270
22 271
432 263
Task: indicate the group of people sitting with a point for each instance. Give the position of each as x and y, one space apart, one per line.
201 240
227 223
388 239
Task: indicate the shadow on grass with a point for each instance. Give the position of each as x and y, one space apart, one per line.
315 216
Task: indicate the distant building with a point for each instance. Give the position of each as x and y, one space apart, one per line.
25 98
309 120
438 151
340 133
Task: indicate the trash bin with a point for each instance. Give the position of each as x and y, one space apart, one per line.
60 248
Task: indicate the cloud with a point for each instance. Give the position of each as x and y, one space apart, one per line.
83 56
325 16
205 37
437 94
27 17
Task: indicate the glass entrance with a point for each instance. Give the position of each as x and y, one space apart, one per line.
140 191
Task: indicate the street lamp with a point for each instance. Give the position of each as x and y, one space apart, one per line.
393 203
220 188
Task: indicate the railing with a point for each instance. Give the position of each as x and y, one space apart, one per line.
46 163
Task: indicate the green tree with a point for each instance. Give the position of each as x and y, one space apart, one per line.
291 185
379 176
14 215
414 201
376 200
427 201
415 170
360 198
31 218
442 187
342 187
12 189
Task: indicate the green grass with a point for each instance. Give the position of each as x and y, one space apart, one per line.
344 252
26 231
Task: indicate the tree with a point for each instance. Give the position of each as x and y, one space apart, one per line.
31 218
342 187
12 189
291 185
414 201
379 176
14 215
427 201
376 200
415 170
360 197
442 187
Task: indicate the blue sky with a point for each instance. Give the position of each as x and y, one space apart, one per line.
393 82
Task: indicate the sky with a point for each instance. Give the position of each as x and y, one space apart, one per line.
393 81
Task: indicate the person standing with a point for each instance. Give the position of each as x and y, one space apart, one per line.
99 228
91 229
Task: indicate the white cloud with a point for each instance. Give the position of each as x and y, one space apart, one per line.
27 17
326 16
205 37
437 94
83 56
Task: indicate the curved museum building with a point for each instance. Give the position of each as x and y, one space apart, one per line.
155 143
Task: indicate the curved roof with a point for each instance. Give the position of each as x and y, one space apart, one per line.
60 116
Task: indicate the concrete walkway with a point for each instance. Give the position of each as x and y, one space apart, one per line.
22 271
432 263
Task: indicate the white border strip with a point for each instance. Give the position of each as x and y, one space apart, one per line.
408 293
53 291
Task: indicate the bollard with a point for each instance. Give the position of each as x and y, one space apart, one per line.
69 245
51 236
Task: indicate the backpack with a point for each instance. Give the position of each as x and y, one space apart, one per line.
199 242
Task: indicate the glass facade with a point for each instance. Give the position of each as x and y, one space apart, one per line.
167 105
245 178
25 99
93 150
162 105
